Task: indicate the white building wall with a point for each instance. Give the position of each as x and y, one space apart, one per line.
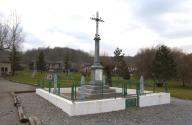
8 65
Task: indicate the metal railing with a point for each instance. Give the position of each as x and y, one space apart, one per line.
75 96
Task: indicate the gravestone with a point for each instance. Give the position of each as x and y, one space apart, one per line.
141 85
82 87
34 69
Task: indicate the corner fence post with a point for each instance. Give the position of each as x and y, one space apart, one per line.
49 86
43 83
122 89
138 92
166 87
75 91
126 87
72 92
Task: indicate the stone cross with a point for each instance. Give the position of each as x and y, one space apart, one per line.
97 38
97 20
95 87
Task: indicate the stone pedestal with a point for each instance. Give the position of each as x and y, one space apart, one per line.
96 88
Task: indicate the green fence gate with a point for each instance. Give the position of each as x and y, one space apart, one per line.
131 102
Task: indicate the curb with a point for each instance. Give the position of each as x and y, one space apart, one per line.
35 85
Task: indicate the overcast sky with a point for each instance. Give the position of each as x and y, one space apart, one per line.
129 24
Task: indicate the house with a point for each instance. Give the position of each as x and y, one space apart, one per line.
54 65
5 64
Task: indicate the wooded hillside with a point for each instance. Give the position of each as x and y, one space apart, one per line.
58 54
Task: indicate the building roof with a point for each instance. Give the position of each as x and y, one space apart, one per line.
54 62
4 57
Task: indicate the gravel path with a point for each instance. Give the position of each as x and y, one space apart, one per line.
7 86
8 113
179 112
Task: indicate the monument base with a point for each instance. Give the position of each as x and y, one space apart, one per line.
101 105
97 87
96 90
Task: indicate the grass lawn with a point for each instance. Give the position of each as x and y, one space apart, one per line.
174 87
39 78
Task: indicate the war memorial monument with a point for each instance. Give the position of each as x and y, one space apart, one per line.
96 96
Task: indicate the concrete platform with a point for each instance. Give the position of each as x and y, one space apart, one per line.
102 105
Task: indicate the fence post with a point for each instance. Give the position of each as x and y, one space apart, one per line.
72 92
58 85
49 86
138 92
43 83
166 87
38 81
154 87
102 89
122 89
125 88
75 91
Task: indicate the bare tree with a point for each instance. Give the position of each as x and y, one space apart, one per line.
143 61
16 32
16 38
4 36
184 70
108 65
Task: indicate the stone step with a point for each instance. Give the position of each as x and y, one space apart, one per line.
96 87
98 96
98 91
97 83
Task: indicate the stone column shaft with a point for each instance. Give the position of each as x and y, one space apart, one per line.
96 59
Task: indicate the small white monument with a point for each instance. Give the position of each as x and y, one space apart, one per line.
141 85
55 83
34 69
82 87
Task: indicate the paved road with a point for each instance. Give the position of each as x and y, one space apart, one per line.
8 113
179 112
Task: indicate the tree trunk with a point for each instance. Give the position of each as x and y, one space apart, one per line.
183 81
109 81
